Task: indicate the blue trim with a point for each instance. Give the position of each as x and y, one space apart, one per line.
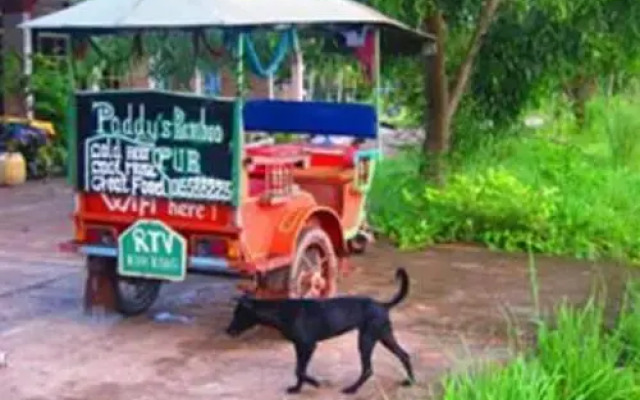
99 251
203 263
311 117
367 153
208 262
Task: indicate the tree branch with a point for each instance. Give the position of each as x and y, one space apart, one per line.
464 72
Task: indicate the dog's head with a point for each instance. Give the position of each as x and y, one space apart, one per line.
244 317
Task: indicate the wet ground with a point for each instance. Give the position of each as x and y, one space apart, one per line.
456 314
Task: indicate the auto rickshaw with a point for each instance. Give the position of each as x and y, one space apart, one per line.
167 185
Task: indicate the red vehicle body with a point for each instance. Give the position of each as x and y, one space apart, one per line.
298 202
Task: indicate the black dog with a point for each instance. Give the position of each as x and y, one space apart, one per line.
306 322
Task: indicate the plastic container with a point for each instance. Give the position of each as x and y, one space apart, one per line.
13 169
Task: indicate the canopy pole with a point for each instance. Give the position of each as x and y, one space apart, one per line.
238 130
72 145
377 95
297 72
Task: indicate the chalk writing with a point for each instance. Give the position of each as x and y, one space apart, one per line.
154 144
149 207
136 205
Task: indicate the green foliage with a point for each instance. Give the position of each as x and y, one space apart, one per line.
532 48
542 46
51 88
629 325
575 357
619 119
521 379
554 190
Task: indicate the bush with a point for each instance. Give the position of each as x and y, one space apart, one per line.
51 88
558 190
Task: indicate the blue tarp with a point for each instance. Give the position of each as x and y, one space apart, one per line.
311 117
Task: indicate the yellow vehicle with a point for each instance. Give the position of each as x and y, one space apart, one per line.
21 141
45 126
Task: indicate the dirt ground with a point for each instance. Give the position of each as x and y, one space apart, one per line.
455 314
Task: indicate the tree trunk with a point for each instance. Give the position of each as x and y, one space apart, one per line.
464 72
443 102
580 90
436 142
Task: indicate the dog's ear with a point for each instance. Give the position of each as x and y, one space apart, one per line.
245 300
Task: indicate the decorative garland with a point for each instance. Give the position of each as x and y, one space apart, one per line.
288 41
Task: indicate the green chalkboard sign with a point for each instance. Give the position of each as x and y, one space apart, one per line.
155 144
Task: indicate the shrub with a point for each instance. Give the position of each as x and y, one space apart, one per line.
565 193
51 88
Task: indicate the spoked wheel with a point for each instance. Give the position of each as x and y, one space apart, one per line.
135 296
314 270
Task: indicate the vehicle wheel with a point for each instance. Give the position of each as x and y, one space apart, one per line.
135 296
313 273
128 296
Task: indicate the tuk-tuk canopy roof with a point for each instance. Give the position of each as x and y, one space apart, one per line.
94 17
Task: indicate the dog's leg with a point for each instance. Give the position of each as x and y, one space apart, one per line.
303 356
366 342
389 341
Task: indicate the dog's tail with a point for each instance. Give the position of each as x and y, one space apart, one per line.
403 277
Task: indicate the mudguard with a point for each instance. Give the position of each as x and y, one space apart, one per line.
289 229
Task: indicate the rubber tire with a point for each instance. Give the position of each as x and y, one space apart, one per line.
314 236
131 307
124 303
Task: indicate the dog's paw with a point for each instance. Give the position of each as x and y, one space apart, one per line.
407 382
350 390
294 389
312 381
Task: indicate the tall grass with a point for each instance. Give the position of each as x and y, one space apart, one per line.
559 189
575 358
618 118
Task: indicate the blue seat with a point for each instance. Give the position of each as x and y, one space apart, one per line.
311 117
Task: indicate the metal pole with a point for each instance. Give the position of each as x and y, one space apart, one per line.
297 72
377 95
28 49
72 145
238 131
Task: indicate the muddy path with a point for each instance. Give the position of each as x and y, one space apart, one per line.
455 314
